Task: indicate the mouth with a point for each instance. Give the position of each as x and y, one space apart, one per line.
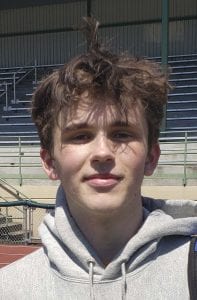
103 180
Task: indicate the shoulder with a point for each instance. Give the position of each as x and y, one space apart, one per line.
25 273
172 259
175 244
32 259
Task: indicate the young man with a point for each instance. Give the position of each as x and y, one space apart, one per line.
98 119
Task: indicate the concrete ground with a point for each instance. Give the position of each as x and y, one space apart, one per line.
170 192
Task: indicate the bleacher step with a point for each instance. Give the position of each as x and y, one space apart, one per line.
16 124
23 101
182 102
182 109
19 133
182 94
8 78
16 109
182 79
11 73
16 116
182 118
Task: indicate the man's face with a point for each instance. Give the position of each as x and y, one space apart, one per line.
100 159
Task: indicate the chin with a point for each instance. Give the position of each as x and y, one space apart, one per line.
104 206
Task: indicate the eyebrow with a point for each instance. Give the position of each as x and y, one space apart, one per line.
85 125
76 126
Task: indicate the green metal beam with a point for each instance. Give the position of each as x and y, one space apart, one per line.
165 45
89 8
165 32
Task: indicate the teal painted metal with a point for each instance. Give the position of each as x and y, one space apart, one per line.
165 45
165 33
27 203
89 8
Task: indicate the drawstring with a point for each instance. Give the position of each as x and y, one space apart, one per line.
124 282
91 266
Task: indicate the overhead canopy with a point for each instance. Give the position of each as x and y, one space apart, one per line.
5 4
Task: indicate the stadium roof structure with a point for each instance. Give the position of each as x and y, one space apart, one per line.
4 4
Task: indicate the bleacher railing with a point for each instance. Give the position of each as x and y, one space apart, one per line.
179 156
18 75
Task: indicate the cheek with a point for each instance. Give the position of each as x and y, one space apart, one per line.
134 164
134 157
70 162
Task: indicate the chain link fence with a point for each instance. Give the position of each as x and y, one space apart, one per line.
19 221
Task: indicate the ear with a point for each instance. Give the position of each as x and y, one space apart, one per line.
152 160
48 164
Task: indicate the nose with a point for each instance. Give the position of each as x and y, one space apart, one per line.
102 150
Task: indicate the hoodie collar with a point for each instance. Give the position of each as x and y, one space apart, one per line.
71 255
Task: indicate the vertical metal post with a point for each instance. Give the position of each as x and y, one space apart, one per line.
7 216
30 224
35 71
14 87
165 33
89 8
19 161
6 96
6 209
185 162
165 45
25 224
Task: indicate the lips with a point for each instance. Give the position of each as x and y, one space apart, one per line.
103 180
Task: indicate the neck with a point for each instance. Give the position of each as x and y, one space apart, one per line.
115 229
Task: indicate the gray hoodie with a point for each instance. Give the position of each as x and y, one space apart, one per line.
152 265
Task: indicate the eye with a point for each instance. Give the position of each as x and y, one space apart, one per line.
79 138
122 136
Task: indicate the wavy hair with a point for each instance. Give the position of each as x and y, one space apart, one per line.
125 78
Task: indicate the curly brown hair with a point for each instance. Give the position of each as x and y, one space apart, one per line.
125 78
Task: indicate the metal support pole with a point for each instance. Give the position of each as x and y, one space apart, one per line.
185 162
19 161
165 33
35 71
165 45
14 87
30 226
7 216
6 209
6 96
89 8
25 224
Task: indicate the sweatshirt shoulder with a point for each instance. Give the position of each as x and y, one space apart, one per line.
24 274
31 260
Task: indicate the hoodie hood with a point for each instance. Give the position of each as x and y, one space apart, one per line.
71 256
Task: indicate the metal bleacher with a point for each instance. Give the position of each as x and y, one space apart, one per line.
182 101
16 89
17 85
15 118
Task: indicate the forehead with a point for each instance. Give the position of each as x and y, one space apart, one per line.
101 114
